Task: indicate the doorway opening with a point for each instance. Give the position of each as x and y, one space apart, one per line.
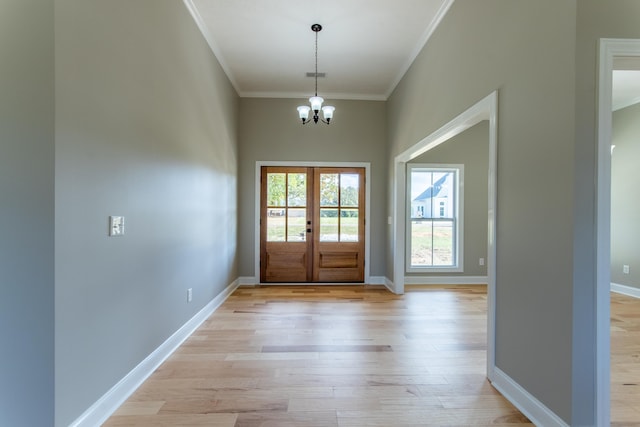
611 52
485 109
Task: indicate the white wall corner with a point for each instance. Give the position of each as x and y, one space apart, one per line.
377 280
629 291
531 407
248 281
446 280
104 407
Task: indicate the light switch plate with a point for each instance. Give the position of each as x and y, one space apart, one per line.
116 225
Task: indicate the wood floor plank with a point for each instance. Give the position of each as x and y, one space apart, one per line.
182 420
324 356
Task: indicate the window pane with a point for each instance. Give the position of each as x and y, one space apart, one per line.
275 189
421 243
329 189
275 225
349 186
432 194
328 225
297 225
421 183
443 243
442 195
297 187
349 225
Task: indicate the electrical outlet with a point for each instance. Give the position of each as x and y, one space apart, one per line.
481 261
625 269
189 294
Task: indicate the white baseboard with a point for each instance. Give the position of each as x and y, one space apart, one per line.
629 291
104 407
446 280
388 283
531 407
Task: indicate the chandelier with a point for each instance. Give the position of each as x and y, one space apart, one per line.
316 101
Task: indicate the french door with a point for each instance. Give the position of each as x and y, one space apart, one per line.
312 224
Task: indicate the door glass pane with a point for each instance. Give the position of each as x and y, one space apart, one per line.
296 228
276 189
276 225
328 225
443 243
297 186
349 225
349 186
329 189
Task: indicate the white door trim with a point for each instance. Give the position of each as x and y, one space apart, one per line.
610 49
367 195
486 109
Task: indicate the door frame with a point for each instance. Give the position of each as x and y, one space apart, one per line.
485 109
367 218
609 50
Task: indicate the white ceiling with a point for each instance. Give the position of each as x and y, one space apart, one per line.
266 46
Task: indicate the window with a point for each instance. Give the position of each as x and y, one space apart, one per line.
434 201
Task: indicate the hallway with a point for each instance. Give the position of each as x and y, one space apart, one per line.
330 356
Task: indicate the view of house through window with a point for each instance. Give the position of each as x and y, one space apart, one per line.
434 195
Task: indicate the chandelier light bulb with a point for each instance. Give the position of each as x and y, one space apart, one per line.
303 112
316 103
327 112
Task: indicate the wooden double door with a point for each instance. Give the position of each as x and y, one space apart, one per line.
312 224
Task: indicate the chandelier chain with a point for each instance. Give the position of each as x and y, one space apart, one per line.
316 63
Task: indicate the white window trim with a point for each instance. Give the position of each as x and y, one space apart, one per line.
459 223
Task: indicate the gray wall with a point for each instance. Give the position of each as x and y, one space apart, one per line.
470 148
500 44
595 19
270 130
26 213
625 206
146 125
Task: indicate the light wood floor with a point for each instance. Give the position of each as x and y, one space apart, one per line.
349 356
625 361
